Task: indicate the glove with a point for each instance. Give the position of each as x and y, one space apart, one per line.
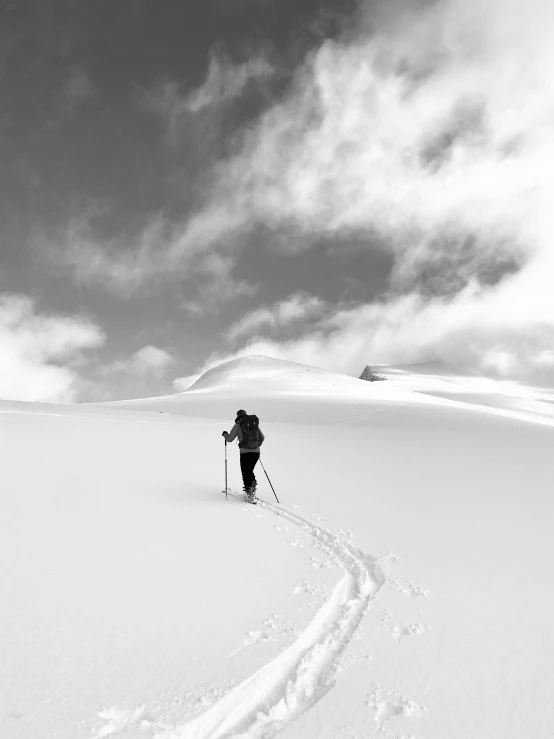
224 434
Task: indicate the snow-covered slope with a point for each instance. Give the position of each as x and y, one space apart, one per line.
308 390
265 376
439 380
281 389
400 589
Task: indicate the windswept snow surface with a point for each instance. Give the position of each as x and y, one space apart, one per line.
402 588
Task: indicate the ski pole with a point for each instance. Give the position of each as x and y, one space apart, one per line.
226 496
269 481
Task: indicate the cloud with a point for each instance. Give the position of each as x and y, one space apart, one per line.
201 249
216 285
224 83
295 308
408 133
39 353
148 361
150 358
429 127
480 332
123 264
190 252
432 131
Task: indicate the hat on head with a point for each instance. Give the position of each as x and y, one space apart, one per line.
242 413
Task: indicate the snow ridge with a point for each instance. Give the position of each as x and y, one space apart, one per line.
302 674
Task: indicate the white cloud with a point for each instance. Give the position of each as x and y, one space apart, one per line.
436 132
122 265
477 331
364 144
193 252
150 360
38 353
294 309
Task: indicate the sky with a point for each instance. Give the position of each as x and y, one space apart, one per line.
338 183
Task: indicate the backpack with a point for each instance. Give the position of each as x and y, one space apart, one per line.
250 432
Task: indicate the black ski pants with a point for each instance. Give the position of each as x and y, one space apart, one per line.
247 463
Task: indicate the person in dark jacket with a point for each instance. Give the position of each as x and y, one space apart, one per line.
248 457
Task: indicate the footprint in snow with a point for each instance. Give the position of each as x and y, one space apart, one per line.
273 621
410 589
255 637
400 630
417 590
306 587
280 527
120 719
301 587
388 706
319 564
260 635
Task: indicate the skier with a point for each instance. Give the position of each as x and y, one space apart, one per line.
250 438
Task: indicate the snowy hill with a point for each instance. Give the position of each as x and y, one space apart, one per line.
439 380
267 382
400 589
257 374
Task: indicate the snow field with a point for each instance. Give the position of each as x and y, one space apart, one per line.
137 602
301 674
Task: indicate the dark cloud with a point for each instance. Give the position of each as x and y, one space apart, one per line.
453 262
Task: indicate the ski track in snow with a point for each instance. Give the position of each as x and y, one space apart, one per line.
291 683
